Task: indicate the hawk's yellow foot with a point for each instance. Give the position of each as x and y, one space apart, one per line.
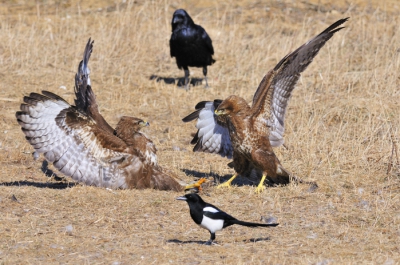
260 186
196 185
228 183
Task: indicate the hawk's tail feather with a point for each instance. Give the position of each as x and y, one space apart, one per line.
164 179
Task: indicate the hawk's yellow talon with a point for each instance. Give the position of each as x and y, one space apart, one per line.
196 185
260 187
228 183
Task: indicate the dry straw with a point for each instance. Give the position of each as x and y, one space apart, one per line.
342 131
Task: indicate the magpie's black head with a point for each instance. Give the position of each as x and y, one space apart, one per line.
181 18
191 198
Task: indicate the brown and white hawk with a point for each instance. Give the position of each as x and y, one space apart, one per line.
82 145
231 128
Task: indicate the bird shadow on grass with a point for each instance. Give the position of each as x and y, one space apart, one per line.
219 179
258 239
56 186
59 185
179 81
199 242
177 241
240 180
48 172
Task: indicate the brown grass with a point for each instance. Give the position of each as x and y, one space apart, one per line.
342 131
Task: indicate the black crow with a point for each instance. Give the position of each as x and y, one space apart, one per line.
210 217
190 44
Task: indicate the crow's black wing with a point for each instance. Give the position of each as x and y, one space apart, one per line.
207 42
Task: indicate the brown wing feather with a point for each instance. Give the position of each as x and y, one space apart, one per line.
273 93
78 148
81 144
85 98
68 139
72 119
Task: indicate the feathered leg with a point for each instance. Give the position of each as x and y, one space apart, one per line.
205 76
186 78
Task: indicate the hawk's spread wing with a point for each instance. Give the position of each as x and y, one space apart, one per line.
212 135
273 93
72 141
81 144
85 98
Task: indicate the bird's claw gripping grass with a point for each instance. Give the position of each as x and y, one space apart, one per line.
228 183
196 185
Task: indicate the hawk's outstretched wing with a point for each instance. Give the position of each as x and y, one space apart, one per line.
269 102
81 144
212 135
72 142
85 100
273 93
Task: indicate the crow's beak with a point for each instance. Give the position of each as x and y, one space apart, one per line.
182 198
176 20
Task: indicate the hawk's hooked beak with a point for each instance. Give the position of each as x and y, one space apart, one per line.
219 112
182 198
144 124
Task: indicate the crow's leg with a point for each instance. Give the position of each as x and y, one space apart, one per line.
186 69
205 76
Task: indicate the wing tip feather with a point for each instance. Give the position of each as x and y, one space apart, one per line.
192 116
195 138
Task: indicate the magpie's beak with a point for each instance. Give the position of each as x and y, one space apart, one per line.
182 198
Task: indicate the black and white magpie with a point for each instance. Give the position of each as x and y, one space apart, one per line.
210 217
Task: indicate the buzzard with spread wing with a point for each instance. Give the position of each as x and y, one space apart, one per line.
82 145
232 128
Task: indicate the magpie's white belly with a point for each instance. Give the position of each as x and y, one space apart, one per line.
211 224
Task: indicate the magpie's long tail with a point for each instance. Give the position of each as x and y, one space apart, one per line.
238 222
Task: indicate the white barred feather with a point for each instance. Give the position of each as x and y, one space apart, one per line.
82 145
74 152
213 136
269 102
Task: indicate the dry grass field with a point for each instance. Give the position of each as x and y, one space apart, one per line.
342 128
